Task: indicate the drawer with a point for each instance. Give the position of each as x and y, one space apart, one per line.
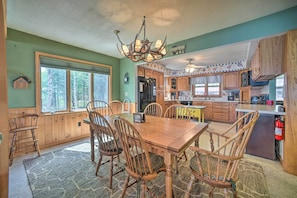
220 117
225 111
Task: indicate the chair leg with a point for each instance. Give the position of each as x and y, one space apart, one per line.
211 192
111 172
176 164
12 148
99 164
125 186
189 188
142 189
36 146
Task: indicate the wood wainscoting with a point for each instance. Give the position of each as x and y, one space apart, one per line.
59 128
55 129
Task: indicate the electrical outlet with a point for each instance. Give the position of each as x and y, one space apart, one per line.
79 124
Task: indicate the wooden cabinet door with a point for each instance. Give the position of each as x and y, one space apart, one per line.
245 95
230 80
140 71
272 55
220 111
255 65
207 110
183 83
268 61
159 76
148 73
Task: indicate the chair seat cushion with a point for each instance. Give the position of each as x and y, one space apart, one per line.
157 163
209 165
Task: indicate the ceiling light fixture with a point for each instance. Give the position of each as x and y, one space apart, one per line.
140 49
190 67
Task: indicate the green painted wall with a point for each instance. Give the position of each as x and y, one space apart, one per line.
266 26
20 50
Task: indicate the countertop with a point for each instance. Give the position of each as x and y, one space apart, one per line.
195 106
201 100
264 109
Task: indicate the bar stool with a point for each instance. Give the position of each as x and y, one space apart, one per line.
20 139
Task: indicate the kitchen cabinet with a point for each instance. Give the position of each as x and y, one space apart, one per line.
247 92
183 83
230 80
168 104
171 87
268 61
220 111
140 71
262 142
148 73
159 76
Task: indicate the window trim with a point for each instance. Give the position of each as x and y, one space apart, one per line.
206 88
38 56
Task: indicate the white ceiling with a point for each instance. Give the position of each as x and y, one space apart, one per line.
89 24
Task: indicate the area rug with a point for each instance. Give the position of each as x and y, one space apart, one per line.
70 173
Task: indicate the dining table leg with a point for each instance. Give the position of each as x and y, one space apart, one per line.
168 176
92 140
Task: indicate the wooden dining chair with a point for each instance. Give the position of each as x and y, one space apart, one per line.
141 165
24 138
178 111
116 106
153 109
218 165
108 143
99 106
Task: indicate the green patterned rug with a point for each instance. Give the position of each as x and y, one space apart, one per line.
70 173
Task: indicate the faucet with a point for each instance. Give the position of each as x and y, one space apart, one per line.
206 95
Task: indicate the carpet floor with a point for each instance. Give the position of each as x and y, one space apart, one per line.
70 173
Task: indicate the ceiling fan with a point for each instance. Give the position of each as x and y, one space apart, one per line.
191 67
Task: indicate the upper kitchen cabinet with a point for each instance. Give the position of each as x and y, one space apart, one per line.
230 81
183 83
140 71
268 60
159 76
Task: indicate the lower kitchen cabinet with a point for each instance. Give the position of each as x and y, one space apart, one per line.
220 111
262 142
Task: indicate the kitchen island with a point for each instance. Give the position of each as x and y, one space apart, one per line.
262 142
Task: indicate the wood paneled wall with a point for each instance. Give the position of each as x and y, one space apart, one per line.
4 149
55 129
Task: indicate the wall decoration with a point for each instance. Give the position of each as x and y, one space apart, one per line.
126 78
21 82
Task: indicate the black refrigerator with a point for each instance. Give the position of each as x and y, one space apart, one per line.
146 92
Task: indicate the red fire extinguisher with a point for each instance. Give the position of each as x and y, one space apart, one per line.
279 129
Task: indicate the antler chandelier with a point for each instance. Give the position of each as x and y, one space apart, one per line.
141 49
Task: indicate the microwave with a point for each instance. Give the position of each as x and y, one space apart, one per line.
246 80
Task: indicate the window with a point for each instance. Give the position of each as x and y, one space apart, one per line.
206 86
279 85
80 83
53 90
67 86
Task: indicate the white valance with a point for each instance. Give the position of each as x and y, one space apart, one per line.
206 79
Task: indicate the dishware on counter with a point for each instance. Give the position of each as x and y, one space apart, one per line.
269 102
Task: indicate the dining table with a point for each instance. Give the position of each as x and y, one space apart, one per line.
167 137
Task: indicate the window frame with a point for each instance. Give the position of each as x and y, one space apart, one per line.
206 90
38 56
